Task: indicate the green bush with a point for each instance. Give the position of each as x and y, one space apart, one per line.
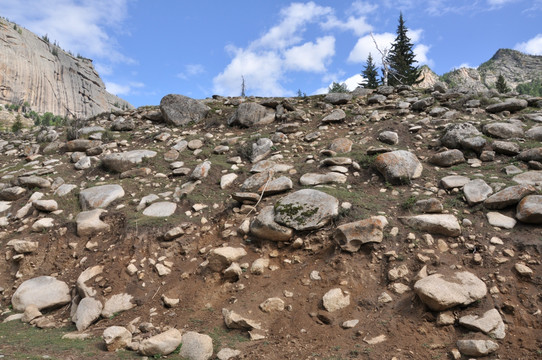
534 88
17 125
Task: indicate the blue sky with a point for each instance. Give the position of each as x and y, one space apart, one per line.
147 49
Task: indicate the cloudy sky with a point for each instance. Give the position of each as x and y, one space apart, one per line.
145 50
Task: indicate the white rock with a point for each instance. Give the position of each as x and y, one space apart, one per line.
335 300
196 346
161 344
116 337
88 311
42 291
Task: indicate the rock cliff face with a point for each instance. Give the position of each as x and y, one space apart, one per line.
429 78
35 71
515 66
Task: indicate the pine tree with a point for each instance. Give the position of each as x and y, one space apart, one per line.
337 88
501 85
401 59
370 73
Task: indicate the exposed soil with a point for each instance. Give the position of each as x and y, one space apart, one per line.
304 330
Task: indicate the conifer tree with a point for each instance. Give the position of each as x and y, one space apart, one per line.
370 73
401 59
337 88
501 85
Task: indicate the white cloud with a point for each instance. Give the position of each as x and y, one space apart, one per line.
264 62
351 84
499 2
81 27
366 45
120 89
191 70
357 25
364 7
532 46
262 72
310 56
294 19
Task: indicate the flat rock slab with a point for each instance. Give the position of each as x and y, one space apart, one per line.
490 323
477 347
508 197
160 209
454 181
120 162
42 291
399 167
306 209
440 292
100 196
476 191
529 178
529 209
499 220
311 179
443 224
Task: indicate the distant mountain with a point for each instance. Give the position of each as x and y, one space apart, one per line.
48 79
516 68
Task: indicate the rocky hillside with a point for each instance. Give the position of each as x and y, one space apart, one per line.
37 72
516 67
397 224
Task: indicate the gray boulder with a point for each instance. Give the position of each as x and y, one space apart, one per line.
196 346
476 191
502 130
160 209
100 196
440 292
122 124
399 167
529 178
251 114
180 110
89 222
508 197
443 224
477 347
265 227
42 291
423 104
161 344
456 133
261 149
311 179
88 311
489 323
338 98
506 148
511 105
306 209
534 154
336 115
447 158
529 209
12 193
120 162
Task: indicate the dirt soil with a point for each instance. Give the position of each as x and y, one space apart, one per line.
304 330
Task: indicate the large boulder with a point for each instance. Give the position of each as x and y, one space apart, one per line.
196 346
338 98
88 311
120 162
251 114
511 105
180 110
399 167
100 196
306 209
490 323
440 292
476 191
508 197
265 227
502 130
447 158
477 347
529 209
161 344
89 222
43 292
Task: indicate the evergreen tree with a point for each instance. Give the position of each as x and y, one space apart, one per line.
501 85
370 73
337 88
401 59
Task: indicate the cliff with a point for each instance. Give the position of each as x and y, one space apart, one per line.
36 71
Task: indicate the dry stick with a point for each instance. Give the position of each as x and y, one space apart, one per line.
263 191
159 287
